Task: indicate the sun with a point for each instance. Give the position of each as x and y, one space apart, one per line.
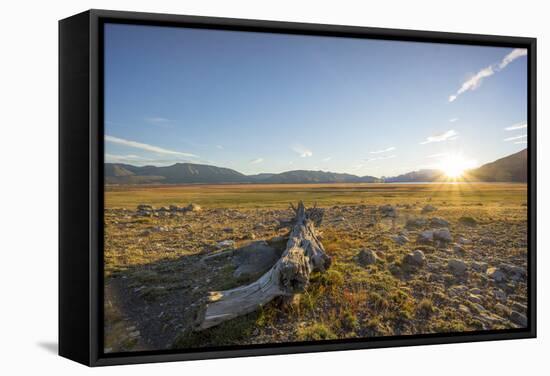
454 165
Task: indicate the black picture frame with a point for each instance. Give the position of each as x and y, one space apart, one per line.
81 185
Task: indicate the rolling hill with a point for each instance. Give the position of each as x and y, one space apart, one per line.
512 168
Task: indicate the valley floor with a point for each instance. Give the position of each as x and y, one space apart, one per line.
407 259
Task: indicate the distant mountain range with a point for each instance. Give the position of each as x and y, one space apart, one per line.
512 168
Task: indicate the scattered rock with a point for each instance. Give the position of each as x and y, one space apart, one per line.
415 258
518 318
145 210
475 298
439 222
496 274
425 237
400 239
428 209
516 272
457 248
502 309
488 241
387 211
464 241
415 223
457 267
467 221
443 235
517 306
499 295
366 257
479 266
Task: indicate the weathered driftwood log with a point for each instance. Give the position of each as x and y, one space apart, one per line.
304 254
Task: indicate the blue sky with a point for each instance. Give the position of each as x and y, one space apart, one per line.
259 102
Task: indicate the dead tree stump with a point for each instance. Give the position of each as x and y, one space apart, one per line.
303 255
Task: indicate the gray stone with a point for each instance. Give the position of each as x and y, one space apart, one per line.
499 295
415 258
518 318
488 241
254 259
457 267
428 209
514 270
387 211
457 248
439 222
443 235
366 257
400 239
496 274
464 241
425 237
475 298
415 223
479 266
467 221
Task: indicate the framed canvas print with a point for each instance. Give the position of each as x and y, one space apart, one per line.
238 187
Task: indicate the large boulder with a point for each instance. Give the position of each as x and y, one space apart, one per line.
496 274
366 257
415 258
457 267
428 209
415 223
387 211
439 222
443 235
467 221
400 239
425 237
253 259
518 318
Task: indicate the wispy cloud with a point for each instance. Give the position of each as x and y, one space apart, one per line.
128 158
515 138
146 147
219 147
516 126
302 151
157 120
518 52
452 120
391 148
445 136
327 159
521 142
137 160
381 158
475 81
257 160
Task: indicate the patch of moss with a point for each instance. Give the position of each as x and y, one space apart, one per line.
315 332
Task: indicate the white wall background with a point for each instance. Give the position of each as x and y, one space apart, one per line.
28 147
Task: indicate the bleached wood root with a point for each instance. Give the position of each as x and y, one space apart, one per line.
304 254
